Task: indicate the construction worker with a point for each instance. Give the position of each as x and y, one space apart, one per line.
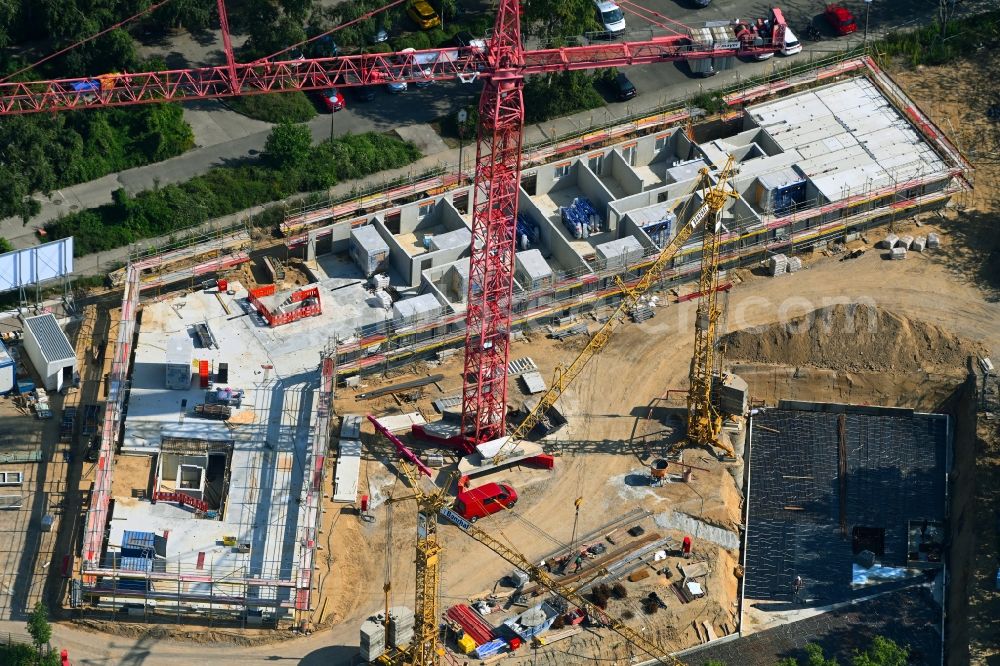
686 547
578 562
797 586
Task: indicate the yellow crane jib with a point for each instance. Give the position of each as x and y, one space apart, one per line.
631 297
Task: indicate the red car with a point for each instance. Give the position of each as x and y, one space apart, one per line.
485 500
841 19
333 99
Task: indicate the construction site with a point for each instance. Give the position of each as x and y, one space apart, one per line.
713 388
648 480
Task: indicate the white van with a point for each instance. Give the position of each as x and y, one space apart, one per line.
791 47
610 16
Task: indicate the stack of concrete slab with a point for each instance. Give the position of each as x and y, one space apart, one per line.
933 241
890 241
451 240
415 310
898 253
905 242
372 640
532 269
919 243
733 394
457 279
794 265
777 265
619 253
400 625
368 249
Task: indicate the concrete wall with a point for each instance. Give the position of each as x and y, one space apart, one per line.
591 186
620 170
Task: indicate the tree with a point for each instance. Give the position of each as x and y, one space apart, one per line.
561 18
39 627
883 652
288 145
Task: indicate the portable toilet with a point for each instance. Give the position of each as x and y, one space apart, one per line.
8 371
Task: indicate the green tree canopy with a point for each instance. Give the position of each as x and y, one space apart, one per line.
288 145
39 627
883 652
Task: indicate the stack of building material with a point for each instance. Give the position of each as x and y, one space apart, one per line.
490 649
580 218
533 382
898 253
905 242
368 249
919 243
890 241
449 240
778 264
400 625
372 640
794 265
472 623
933 241
619 253
733 394
519 366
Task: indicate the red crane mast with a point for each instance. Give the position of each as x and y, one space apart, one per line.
503 66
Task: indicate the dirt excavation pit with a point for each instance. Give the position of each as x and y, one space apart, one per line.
852 337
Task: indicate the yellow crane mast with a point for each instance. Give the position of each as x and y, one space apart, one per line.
423 651
704 420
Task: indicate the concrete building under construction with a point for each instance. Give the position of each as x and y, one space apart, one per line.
816 166
227 392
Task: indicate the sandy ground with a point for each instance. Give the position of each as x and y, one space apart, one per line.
610 403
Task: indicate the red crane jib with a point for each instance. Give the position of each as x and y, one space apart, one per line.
502 65
468 63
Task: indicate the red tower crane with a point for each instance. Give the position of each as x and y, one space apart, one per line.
502 65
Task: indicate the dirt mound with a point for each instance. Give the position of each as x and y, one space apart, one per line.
854 337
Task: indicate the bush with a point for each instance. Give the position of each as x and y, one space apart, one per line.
618 591
559 95
50 151
291 107
928 46
711 102
226 190
25 655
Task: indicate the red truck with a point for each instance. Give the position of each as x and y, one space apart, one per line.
840 19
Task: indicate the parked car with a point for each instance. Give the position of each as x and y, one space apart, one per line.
423 14
841 19
325 47
332 99
624 89
485 500
420 67
381 36
791 46
396 86
610 16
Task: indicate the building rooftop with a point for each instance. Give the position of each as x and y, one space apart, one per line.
849 138
809 515
52 341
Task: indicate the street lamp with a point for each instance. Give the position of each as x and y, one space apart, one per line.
868 8
463 115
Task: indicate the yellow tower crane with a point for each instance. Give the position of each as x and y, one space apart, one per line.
704 420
